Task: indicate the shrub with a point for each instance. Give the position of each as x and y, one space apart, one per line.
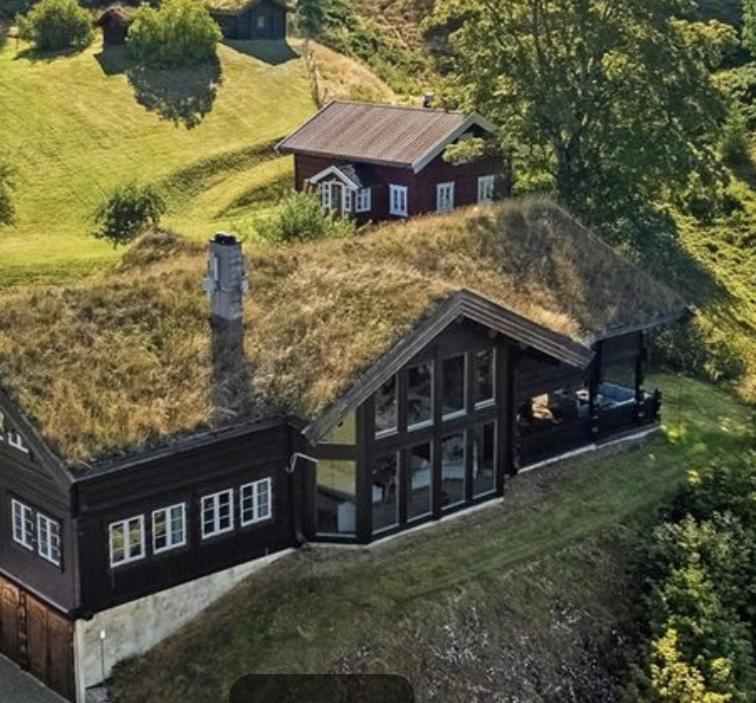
128 212
301 217
180 32
52 25
7 211
735 139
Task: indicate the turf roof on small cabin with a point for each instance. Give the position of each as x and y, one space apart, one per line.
233 7
122 362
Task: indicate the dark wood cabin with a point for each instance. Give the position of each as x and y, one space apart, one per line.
251 19
114 23
380 162
439 420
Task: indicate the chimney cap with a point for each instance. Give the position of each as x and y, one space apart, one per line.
224 238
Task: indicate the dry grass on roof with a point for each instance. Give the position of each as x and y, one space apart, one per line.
124 360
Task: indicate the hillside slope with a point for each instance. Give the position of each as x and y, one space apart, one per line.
523 601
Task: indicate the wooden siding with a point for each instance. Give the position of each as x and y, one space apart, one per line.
421 195
37 638
175 478
244 24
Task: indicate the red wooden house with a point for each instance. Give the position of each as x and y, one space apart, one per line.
378 162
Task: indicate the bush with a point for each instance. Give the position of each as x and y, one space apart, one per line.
128 212
52 25
180 32
7 211
301 217
736 148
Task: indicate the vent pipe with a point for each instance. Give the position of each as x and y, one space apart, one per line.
226 281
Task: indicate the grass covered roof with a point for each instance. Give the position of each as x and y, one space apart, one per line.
123 361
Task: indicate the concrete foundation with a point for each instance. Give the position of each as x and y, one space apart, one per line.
133 628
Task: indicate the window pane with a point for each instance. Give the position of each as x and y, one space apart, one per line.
420 395
453 469
135 537
224 511
386 407
419 481
454 385
385 492
208 515
247 503
117 552
177 524
484 438
336 489
263 499
484 376
345 432
159 530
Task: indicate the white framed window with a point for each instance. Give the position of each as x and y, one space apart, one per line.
217 513
23 524
325 195
348 197
16 441
256 501
398 200
363 200
486 189
48 539
127 540
168 528
261 22
445 197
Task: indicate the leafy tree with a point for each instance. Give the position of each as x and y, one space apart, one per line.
735 139
301 217
749 25
52 25
7 211
128 212
612 98
179 32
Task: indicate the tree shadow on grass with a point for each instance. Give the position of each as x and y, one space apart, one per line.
270 51
113 60
34 55
182 95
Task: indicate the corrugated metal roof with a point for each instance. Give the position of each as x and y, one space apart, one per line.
395 135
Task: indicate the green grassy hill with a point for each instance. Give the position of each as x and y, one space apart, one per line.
75 126
527 600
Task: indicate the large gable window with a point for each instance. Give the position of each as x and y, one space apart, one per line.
126 540
168 528
419 481
23 524
398 200
484 453
336 498
385 492
453 379
453 469
386 408
484 378
420 395
217 513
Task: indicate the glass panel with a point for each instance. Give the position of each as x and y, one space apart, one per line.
484 452
453 469
208 515
618 384
117 551
386 407
160 530
484 376
177 524
247 504
135 537
420 394
385 492
454 385
224 511
336 491
263 499
419 481
344 433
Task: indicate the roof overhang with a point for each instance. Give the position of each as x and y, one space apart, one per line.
334 171
464 304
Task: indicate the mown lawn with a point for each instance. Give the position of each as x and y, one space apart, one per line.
74 126
521 597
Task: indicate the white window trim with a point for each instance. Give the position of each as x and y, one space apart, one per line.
127 547
16 441
45 550
26 537
364 200
169 541
215 497
256 515
403 191
441 188
487 402
490 183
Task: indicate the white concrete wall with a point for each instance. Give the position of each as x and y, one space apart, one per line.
133 628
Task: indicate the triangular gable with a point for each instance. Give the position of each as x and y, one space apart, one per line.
465 304
334 171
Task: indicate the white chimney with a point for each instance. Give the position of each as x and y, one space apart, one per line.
226 281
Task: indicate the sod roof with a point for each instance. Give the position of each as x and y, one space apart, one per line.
123 361
235 6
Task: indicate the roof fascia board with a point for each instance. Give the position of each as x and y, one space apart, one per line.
37 444
438 147
281 146
334 170
472 306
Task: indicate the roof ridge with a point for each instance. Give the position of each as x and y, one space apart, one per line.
398 106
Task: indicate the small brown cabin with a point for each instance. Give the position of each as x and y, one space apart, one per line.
250 19
114 23
379 162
